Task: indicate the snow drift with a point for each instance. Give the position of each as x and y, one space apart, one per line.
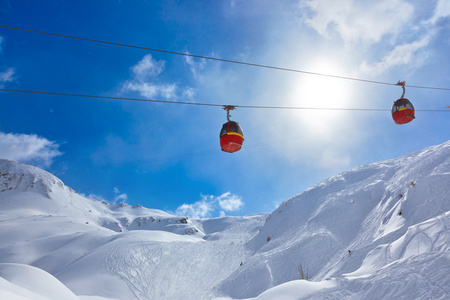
379 231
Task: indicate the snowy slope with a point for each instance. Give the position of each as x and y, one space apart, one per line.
33 283
115 251
360 210
379 231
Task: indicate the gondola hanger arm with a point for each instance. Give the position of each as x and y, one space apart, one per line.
228 108
402 83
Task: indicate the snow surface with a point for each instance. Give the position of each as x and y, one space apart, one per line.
379 231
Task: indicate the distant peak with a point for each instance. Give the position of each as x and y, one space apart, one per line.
21 177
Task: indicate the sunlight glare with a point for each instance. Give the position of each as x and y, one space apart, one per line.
313 91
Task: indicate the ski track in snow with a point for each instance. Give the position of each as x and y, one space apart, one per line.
148 268
135 264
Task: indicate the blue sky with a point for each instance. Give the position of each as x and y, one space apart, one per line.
167 156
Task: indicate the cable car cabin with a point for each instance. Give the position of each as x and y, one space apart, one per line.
402 111
231 137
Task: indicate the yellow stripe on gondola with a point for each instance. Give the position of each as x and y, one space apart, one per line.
400 109
232 133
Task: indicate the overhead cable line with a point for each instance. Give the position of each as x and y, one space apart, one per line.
107 97
206 104
219 59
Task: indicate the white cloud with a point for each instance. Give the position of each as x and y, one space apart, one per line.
120 197
209 204
197 210
442 10
400 55
28 148
355 21
195 67
148 67
189 93
145 79
230 202
7 75
94 197
148 90
414 53
393 24
145 70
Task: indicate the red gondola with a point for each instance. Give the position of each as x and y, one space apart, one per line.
402 110
231 135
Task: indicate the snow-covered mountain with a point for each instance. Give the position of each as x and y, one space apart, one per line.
380 231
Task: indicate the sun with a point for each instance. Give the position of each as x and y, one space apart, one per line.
316 133
321 94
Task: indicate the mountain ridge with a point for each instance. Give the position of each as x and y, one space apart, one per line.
349 234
